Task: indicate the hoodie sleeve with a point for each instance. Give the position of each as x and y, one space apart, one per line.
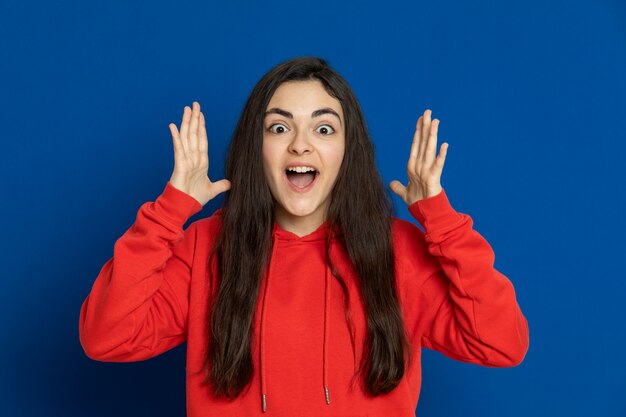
473 315
138 304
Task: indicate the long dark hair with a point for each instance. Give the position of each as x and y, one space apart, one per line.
243 244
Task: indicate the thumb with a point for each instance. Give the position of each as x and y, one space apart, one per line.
222 185
398 188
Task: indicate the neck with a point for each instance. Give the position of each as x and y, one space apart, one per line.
298 225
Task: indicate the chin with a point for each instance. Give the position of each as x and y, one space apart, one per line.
300 211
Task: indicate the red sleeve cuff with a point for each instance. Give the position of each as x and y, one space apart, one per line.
435 212
176 205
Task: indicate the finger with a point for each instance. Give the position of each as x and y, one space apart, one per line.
203 143
178 148
441 159
222 186
398 188
414 147
424 136
193 128
431 146
184 128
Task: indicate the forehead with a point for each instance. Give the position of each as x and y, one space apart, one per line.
303 96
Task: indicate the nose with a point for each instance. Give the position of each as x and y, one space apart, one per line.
300 143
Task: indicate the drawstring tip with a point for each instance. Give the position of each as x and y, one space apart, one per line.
327 395
264 403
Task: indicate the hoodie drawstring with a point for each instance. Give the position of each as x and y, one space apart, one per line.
326 330
262 343
326 333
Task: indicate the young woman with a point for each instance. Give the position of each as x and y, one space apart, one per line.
302 295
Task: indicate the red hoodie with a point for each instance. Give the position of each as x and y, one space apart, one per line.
152 295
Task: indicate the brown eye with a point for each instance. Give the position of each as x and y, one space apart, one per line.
281 126
325 128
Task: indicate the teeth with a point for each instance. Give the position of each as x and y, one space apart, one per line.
301 169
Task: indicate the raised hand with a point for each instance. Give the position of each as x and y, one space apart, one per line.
191 158
423 169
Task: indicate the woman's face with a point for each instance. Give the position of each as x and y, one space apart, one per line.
304 128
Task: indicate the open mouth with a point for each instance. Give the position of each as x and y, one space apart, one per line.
301 179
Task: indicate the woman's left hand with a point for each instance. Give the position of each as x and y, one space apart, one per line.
423 169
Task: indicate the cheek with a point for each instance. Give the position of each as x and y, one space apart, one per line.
271 160
336 158
267 156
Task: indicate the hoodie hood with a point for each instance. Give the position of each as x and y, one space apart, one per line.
278 235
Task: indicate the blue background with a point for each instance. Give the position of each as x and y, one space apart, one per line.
531 98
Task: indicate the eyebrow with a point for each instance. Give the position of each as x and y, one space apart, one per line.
316 113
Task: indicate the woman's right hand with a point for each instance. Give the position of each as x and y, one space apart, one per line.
191 158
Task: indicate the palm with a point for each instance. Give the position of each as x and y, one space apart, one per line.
191 158
424 168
